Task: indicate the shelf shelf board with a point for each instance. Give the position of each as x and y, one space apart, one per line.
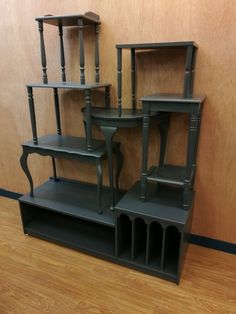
174 98
176 44
164 204
68 145
88 18
167 174
68 85
73 199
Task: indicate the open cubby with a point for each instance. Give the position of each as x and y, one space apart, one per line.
172 249
139 241
70 231
155 245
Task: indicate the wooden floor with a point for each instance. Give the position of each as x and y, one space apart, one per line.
40 277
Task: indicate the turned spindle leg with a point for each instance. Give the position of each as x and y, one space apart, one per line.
62 53
81 50
32 114
146 122
133 80
192 140
96 54
88 123
43 53
119 80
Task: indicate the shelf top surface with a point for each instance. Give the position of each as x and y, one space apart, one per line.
175 44
176 98
72 198
165 204
69 145
89 18
68 85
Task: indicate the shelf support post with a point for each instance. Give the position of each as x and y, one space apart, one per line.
81 51
32 114
133 79
146 122
119 80
96 53
88 124
43 53
62 53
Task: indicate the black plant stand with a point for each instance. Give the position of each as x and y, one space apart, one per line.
169 174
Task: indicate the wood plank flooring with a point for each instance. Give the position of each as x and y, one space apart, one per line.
39 277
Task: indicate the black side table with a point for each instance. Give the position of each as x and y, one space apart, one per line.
175 175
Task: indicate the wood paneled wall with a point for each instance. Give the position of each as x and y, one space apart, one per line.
210 23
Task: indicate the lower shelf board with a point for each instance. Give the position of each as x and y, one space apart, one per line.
72 198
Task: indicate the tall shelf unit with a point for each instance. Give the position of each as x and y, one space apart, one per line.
145 228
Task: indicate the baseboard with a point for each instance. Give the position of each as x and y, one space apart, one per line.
194 239
9 194
213 243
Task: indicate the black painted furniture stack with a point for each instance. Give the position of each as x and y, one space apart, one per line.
147 229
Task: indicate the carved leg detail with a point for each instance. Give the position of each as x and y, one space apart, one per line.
108 133
99 186
119 163
25 168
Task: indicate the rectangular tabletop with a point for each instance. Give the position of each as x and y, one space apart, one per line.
69 20
68 85
176 44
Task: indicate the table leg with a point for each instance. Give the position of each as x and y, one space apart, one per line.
108 133
99 185
119 165
54 168
191 150
146 122
88 123
25 168
163 129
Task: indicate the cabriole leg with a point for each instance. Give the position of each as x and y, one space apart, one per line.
25 168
